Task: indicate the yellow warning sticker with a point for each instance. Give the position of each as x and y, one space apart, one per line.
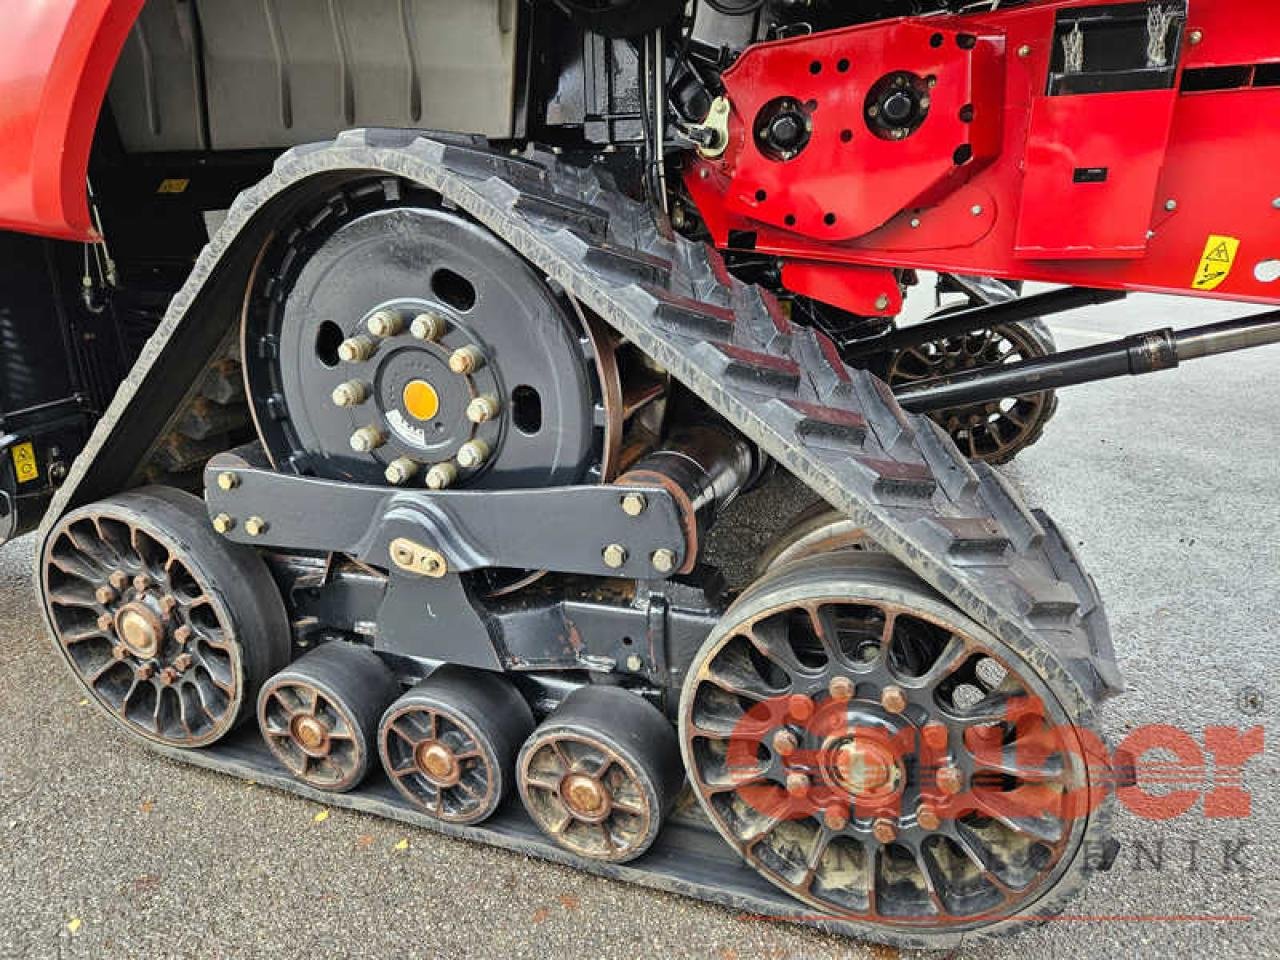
173 185
1215 266
24 462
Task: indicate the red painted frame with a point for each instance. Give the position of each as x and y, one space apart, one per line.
56 58
1185 166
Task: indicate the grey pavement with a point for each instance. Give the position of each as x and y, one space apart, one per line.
1168 484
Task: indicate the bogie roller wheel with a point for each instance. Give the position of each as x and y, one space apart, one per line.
998 430
881 757
449 745
169 626
600 774
320 715
819 528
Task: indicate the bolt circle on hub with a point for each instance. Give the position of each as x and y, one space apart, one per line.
852 809
168 626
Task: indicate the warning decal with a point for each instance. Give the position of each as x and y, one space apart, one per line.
1216 263
24 462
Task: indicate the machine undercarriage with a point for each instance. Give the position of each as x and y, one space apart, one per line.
406 500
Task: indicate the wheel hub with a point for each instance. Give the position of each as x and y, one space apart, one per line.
311 734
867 769
140 630
438 763
586 797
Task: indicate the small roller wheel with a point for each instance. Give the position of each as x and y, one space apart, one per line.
171 628
449 744
599 775
820 528
320 716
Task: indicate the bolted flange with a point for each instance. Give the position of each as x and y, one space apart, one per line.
466 360
473 453
483 408
428 326
367 439
401 470
385 323
441 476
350 394
356 349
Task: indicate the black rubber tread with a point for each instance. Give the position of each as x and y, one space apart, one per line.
358 682
235 576
876 575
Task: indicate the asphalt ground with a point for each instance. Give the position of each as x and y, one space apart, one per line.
1167 483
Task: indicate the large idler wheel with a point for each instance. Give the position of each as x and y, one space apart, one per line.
449 745
599 775
883 758
168 626
320 716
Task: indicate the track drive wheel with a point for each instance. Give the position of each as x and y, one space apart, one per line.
600 774
169 626
884 759
449 745
320 715
999 430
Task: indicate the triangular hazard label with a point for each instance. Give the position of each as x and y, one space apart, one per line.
1219 254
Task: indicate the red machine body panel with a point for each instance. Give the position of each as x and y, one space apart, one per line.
56 59
1183 175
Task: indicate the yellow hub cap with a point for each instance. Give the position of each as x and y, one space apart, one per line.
421 400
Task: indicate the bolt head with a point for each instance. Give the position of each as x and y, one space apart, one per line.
1171 205
473 453
935 736
634 504
797 782
183 634
168 676
915 223
893 699
1024 51
1195 37
634 663
800 708
227 480
927 817
841 688
141 583
168 603
428 326
144 672
663 560
785 743
835 818
882 302
976 210
950 780
1276 203
182 663
255 526
615 555
885 831
106 621
118 579
104 594
119 652
441 476
224 523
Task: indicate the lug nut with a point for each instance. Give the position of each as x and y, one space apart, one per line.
228 480
634 504
168 675
168 603
663 560
428 326
119 651
473 453
224 523
118 579
141 583
784 743
105 621
356 349
466 360
182 663
927 817
483 408
835 818
935 736
400 470
183 634
885 831
840 688
441 476
144 672
893 699
255 526
385 323
797 782
615 555
367 439
950 780
799 708
104 594
350 394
